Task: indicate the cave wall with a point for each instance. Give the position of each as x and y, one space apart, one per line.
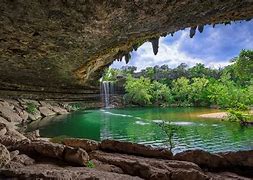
58 48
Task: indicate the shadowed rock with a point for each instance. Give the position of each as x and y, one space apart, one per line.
192 31
155 45
136 149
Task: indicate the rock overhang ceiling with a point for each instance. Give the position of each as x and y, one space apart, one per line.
63 45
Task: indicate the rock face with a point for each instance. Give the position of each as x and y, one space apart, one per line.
136 149
59 48
4 156
86 144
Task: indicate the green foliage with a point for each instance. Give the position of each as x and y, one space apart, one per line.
238 116
170 130
244 65
180 90
161 93
228 87
90 164
198 92
138 90
31 107
110 74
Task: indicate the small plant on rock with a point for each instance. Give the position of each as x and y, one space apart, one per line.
169 130
31 108
90 164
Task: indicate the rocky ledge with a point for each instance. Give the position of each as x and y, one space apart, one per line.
24 157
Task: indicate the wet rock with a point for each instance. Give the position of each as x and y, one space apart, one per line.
86 144
3 129
4 156
202 158
45 111
76 155
59 110
136 149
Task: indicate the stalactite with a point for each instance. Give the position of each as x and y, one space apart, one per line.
127 57
201 28
192 31
135 47
155 45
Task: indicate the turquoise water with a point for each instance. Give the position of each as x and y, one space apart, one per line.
140 125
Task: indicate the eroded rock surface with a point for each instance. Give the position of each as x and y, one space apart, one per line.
58 49
136 149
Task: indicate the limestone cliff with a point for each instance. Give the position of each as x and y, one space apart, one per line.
58 48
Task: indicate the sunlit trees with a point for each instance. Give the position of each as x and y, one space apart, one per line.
138 90
180 90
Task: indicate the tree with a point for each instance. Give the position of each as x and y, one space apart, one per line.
138 90
161 93
244 65
180 90
198 91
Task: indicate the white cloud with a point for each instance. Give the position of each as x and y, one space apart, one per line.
214 48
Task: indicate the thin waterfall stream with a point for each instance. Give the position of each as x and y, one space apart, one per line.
107 90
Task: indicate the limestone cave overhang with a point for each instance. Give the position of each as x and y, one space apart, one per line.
50 47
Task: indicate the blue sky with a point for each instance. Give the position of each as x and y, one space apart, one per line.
214 47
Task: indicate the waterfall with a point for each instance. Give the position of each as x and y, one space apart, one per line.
107 89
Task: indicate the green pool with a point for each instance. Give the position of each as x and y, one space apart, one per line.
140 125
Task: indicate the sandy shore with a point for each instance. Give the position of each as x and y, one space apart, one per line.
218 115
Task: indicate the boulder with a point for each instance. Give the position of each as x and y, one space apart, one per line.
59 110
8 124
202 158
15 134
151 168
33 135
35 115
13 154
76 156
42 148
9 114
8 140
23 114
4 156
86 144
136 149
106 167
239 158
45 111
46 104
50 171
3 129
23 159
